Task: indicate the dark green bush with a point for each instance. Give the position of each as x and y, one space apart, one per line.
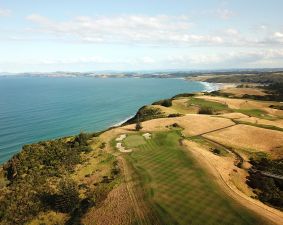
146 113
164 102
183 95
206 110
174 115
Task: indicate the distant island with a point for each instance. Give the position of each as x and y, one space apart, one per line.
196 158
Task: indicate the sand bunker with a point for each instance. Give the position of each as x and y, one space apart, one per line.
121 148
119 145
121 138
147 136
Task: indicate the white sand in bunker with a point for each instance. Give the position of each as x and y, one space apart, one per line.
147 136
121 148
248 137
193 124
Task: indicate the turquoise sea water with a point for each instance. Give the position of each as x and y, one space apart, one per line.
36 108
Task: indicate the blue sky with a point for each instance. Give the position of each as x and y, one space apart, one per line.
92 35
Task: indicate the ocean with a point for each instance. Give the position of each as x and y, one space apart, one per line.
40 108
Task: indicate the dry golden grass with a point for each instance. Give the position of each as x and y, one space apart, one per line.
238 92
233 115
115 210
193 124
276 123
196 124
238 103
239 178
275 112
165 110
248 137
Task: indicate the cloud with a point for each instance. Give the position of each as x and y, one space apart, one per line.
274 38
235 59
232 59
160 31
278 35
5 12
134 29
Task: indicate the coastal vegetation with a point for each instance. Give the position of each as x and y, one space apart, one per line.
39 179
146 113
164 102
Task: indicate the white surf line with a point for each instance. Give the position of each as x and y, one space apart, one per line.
123 121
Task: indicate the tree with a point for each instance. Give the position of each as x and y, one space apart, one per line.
138 124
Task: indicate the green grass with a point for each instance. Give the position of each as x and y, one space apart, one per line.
255 113
209 104
133 141
179 190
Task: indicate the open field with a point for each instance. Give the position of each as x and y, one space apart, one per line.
250 138
216 106
239 92
233 115
237 103
259 109
181 106
179 189
192 124
255 120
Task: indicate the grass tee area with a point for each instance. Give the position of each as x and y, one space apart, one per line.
180 191
203 103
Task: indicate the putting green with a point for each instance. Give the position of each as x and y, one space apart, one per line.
179 190
133 141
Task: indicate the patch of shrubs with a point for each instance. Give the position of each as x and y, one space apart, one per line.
35 178
164 102
206 110
175 115
219 93
268 189
183 95
280 107
146 113
216 151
